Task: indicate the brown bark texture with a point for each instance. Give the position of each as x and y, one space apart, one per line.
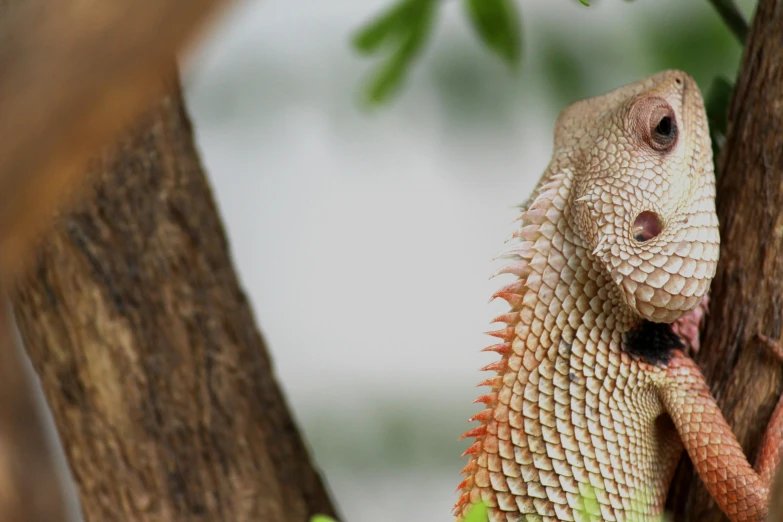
747 292
158 380
72 74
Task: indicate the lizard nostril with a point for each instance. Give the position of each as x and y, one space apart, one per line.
646 226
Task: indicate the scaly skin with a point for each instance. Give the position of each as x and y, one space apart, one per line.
594 396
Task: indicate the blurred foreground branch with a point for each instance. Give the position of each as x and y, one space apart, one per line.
732 17
73 74
132 314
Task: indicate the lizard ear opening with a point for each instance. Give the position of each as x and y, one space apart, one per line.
646 226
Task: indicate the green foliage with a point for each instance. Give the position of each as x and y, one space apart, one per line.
565 71
497 24
589 500
478 513
322 518
404 29
700 49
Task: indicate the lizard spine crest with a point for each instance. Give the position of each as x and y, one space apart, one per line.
529 259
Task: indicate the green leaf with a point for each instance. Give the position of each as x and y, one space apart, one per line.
584 2
416 18
497 24
388 78
478 513
589 500
322 518
385 27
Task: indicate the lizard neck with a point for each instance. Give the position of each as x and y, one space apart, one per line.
562 303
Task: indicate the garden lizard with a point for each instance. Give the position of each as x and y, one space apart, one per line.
595 396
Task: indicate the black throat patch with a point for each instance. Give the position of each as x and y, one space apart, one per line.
652 342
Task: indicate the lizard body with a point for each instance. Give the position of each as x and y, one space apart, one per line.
594 397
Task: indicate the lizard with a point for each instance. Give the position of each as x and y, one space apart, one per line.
595 396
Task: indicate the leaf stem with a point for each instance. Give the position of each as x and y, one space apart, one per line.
728 11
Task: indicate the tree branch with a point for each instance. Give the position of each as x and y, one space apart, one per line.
746 298
73 75
732 17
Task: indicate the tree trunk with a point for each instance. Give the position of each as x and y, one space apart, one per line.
747 293
158 380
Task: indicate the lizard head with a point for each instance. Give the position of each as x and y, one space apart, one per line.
643 191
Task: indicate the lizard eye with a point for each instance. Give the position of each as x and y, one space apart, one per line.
655 123
665 132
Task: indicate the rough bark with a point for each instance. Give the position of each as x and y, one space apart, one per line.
747 293
73 73
158 380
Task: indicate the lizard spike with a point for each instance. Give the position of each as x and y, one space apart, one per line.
504 333
493 382
501 348
548 192
497 366
476 432
534 215
517 287
474 448
528 233
463 500
600 245
518 268
514 300
553 183
510 318
525 250
511 237
482 416
487 399
463 484
470 466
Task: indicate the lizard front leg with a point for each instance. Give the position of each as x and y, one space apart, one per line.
741 491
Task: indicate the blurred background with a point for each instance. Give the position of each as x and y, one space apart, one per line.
364 237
